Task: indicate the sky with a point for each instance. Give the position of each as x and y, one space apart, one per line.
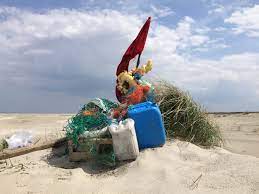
57 55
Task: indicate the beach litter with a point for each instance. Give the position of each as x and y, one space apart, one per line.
148 124
124 138
86 130
10 153
132 124
19 139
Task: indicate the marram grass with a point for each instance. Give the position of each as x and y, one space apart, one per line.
184 118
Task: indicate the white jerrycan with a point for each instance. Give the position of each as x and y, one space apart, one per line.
125 143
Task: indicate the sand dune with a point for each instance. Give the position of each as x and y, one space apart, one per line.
178 167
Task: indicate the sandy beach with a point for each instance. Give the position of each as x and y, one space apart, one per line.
240 131
178 167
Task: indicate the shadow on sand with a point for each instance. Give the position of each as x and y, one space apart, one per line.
59 158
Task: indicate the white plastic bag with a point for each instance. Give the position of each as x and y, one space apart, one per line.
19 139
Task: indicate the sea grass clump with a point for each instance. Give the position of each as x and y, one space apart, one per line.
3 144
184 118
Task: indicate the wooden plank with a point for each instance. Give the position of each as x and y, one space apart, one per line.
10 153
83 155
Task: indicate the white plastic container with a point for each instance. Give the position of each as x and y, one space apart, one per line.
125 143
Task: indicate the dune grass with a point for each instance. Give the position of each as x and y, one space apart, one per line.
184 118
3 144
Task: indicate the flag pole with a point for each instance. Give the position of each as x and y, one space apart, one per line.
138 61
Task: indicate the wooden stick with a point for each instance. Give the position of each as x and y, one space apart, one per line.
8 153
196 182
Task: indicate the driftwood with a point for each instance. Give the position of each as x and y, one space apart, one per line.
74 156
10 153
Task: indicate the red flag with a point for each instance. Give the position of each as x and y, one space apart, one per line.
135 48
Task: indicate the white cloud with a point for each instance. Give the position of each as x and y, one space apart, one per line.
245 21
169 41
161 11
197 40
189 34
219 9
206 79
184 27
220 29
203 30
217 43
22 27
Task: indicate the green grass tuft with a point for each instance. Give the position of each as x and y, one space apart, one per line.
3 144
184 118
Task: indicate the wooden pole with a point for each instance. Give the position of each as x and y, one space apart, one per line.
10 153
138 61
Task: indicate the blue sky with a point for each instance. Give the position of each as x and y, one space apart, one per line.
56 55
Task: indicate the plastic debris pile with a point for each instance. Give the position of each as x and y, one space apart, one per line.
134 123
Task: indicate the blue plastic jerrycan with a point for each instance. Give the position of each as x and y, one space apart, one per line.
149 125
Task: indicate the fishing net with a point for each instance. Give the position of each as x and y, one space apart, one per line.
90 123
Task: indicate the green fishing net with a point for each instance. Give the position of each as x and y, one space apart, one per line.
91 122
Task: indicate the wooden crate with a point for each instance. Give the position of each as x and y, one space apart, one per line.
82 152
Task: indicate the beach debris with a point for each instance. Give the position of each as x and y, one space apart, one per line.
135 48
10 153
89 124
148 124
83 151
125 143
19 139
131 88
196 182
95 133
3 144
106 120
